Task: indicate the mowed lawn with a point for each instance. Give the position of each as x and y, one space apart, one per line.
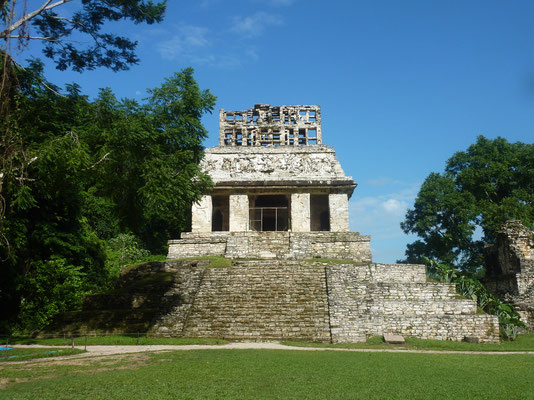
273 374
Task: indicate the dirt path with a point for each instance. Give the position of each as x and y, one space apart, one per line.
95 351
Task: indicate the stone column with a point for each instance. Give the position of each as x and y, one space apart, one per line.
300 212
238 212
339 212
201 215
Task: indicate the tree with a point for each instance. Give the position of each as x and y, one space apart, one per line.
64 32
103 172
61 33
458 211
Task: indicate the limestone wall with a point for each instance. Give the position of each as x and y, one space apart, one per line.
396 299
278 166
510 268
339 212
283 245
300 212
201 215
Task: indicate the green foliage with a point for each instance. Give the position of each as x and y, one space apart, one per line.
121 250
105 183
471 288
72 37
491 182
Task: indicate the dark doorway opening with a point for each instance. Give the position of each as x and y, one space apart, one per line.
269 213
220 217
319 212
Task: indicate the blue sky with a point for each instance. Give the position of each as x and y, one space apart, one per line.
402 84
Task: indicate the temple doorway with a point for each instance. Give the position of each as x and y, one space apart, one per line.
269 212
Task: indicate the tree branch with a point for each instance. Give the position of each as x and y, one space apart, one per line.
47 38
46 6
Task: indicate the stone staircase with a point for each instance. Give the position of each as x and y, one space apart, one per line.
281 300
254 300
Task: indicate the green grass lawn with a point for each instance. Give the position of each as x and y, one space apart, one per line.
122 340
28 354
274 374
522 343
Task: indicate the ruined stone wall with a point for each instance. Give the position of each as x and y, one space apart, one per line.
510 268
264 125
282 245
377 299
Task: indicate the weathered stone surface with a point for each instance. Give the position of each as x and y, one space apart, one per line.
201 215
275 166
300 212
239 213
252 301
510 268
393 339
264 125
339 212
283 299
371 303
282 245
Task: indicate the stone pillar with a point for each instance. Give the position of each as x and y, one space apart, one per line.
339 212
239 212
201 215
300 212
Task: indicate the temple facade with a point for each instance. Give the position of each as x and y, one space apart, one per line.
279 210
273 178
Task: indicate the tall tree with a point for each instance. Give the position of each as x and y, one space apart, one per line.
458 211
75 36
101 169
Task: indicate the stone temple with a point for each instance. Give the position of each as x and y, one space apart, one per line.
279 211
279 192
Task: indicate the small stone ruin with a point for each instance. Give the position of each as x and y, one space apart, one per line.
510 268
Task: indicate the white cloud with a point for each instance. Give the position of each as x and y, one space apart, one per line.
394 206
380 216
255 24
185 43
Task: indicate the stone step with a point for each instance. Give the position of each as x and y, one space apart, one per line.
362 291
444 327
277 300
423 307
395 273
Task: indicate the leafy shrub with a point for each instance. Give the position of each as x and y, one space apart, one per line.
509 319
122 250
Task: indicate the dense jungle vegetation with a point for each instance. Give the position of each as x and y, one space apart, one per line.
92 185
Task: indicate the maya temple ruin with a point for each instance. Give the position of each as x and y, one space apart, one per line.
278 213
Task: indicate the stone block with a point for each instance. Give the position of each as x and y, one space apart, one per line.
339 212
393 339
300 212
201 215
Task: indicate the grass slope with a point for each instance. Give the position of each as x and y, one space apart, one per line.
276 374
